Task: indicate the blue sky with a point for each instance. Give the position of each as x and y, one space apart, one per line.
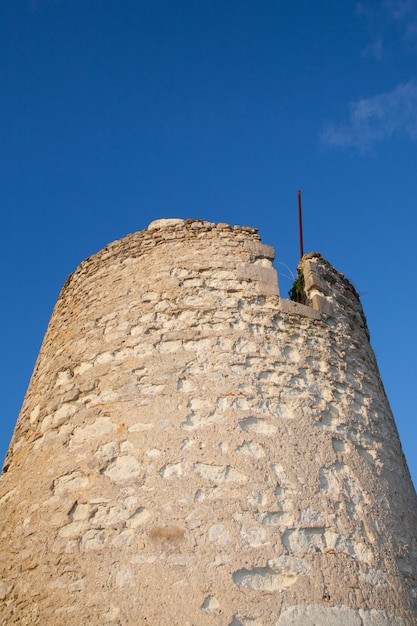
115 113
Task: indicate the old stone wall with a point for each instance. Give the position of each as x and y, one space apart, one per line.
194 449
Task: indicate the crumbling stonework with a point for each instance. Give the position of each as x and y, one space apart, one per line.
195 450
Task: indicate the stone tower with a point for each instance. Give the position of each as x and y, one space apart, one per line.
195 450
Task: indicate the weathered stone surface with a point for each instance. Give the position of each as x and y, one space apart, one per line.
319 302
266 277
288 306
194 450
300 615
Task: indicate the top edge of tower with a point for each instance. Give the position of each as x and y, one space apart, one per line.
171 231
174 222
168 230
164 222
171 243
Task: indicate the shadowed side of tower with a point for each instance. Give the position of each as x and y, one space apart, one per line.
194 449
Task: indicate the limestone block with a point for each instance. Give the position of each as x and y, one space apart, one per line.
320 303
259 250
289 306
312 279
267 278
163 223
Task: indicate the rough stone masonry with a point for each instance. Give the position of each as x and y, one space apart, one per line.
195 450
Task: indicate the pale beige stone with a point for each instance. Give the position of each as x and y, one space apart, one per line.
194 450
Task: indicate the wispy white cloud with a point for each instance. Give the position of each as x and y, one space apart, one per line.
391 24
374 119
400 9
404 15
375 49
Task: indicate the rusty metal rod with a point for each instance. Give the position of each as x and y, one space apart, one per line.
300 225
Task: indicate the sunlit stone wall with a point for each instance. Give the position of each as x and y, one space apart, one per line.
194 450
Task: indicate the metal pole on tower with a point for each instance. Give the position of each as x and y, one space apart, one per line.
300 225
